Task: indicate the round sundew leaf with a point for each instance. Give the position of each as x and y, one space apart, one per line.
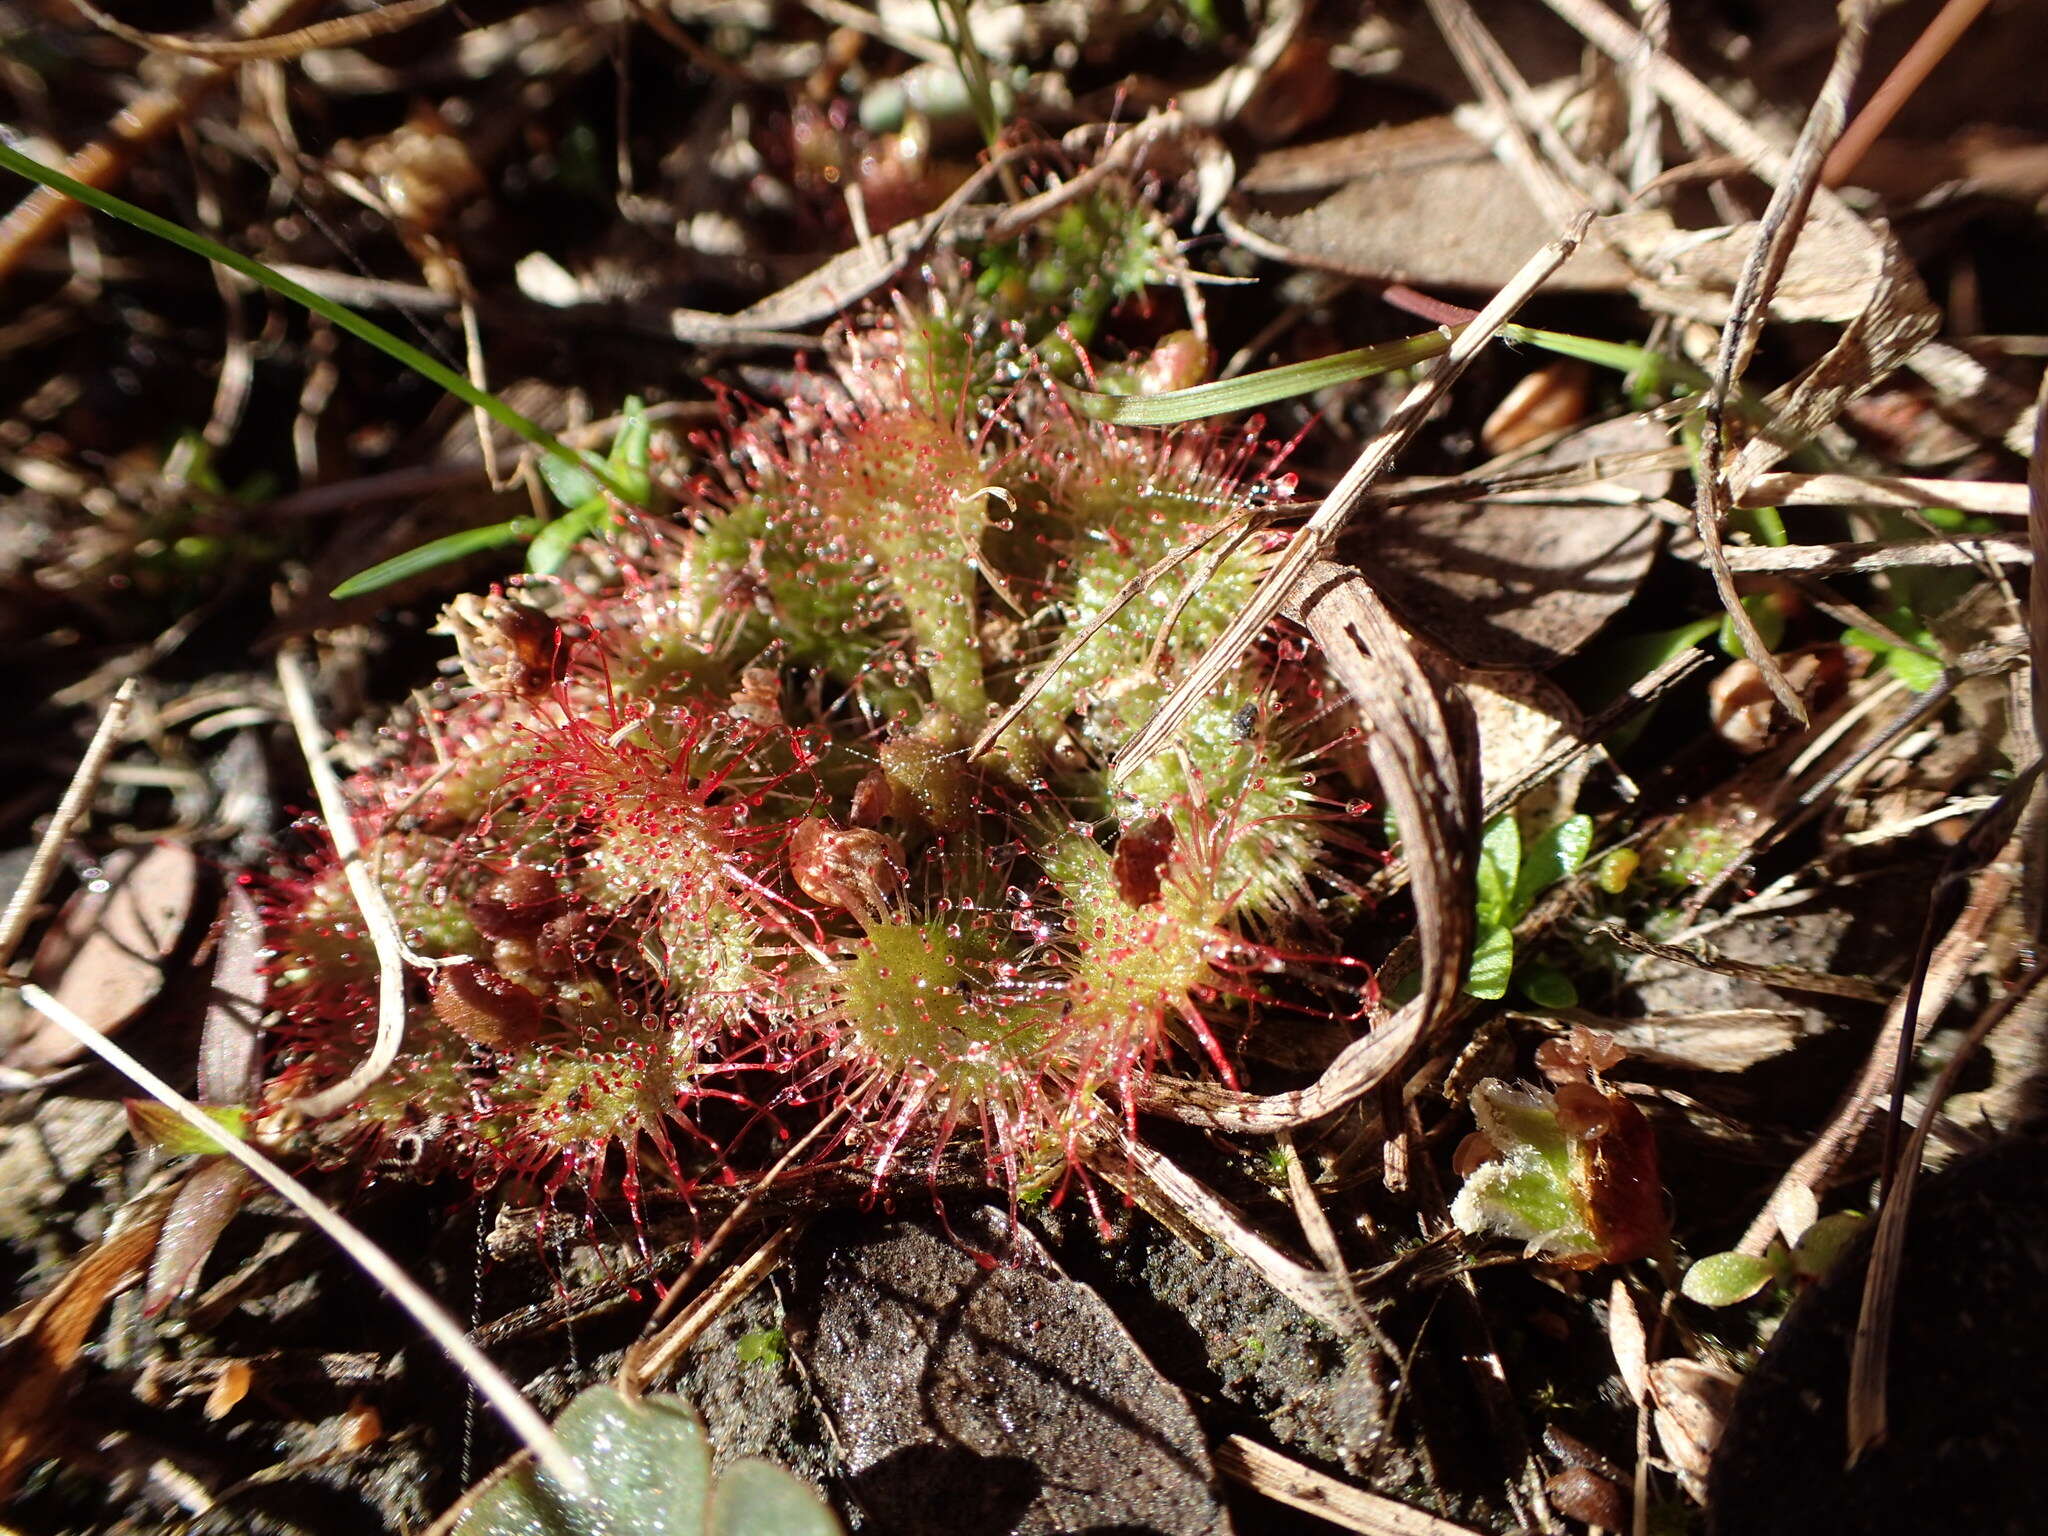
649 1466
1723 1279
758 1498
1824 1241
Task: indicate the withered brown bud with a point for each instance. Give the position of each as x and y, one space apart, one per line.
856 869
482 1006
1583 1494
515 904
1140 858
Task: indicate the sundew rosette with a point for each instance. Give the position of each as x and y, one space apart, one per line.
718 857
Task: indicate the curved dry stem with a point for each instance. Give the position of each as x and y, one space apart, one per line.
519 1415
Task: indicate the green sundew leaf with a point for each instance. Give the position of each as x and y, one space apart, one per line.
346 319
758 1498
1823 1242
436 552
552 545
1500 863
1493 961
1723 1279
1247 391
1554 856
649 1466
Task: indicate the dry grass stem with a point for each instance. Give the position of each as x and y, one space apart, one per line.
1314 539
42 865
1870 1353
343 32
1287 1481
519 1415
385 939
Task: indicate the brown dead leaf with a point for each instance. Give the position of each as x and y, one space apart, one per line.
103 959
231 1039
43 1337
1894 320
201 1210
1423 202
1834 271
1521 584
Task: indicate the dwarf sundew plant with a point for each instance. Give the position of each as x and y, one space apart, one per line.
711 841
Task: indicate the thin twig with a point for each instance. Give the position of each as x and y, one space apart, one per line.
42 866
1312 541
342 32
385 939
1870 1353
1780 227
518 1414
1931 47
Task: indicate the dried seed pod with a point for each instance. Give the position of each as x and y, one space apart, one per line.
516 904
1583 1494
1140 858
854 870
482 1006
1547 400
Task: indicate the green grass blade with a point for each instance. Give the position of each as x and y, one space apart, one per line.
1173 406
454 546
400 351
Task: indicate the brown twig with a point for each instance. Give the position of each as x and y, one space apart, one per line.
342 32
1747 309
42 865
1932 46
139 124
1313 540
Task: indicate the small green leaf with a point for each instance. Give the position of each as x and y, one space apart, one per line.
160 1126
1500 862
551 547
570 485
1764 614
1723 1279
649 1466
764 1346
1917 670
1554 856
1493 961
1823 1242
437 552
1250 390
1548 987
758 1498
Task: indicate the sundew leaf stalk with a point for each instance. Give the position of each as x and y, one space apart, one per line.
711 841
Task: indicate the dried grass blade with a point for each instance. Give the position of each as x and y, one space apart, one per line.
342 32
385 939
1779 229
1314 539
518 1414
1870 1353
1425 753
42 864
1287 1481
